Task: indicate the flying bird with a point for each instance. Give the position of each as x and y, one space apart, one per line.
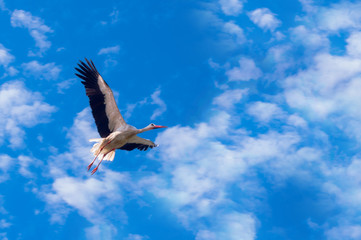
114 132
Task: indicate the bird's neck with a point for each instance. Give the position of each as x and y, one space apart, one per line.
144 129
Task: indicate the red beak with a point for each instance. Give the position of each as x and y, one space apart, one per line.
158 126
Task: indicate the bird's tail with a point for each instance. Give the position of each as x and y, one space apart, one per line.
97 147
110 156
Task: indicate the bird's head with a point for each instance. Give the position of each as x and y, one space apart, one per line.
153 126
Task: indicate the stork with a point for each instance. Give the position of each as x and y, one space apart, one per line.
114 132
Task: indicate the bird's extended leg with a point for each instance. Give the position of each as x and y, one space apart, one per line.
90 165
95 169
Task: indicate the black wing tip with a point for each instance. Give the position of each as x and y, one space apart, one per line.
88 64
86 70
82 61
132 146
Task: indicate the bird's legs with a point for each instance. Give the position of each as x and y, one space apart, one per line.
90 165
95 169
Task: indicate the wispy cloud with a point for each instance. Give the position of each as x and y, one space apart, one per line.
247 70
4 224
353 47
5 163
26 164
5 59
136 237
265 19
2 5
231 35
315 40
229 98
339 16
156 100
110 53
65 85
37 29
265 112
234 30
113 16
351 232
5 56
231 7
234 226
202 167
48 71
20 112
109 50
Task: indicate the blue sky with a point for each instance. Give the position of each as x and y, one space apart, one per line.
261 99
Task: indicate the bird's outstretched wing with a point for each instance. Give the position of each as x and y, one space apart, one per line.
105 111
138 142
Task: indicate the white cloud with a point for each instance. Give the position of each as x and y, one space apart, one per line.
232 226
312 39
349 232
279 59
296 121
66 84
196 186
110 53
354 44
88 196
206 235
48 71
5 163
37 29
156 100
229 36
238 227
4 223
328 86
101 231
5 56
247 70
12 71
213 64
265 19
129 110
19 112
2 5
265 112
340 16
231 7
308 5
198 168
113 16
109 50
26 163
5 59
136 237
343 185
234 30
60 49
229 98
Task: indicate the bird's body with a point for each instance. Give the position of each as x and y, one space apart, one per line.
114 131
